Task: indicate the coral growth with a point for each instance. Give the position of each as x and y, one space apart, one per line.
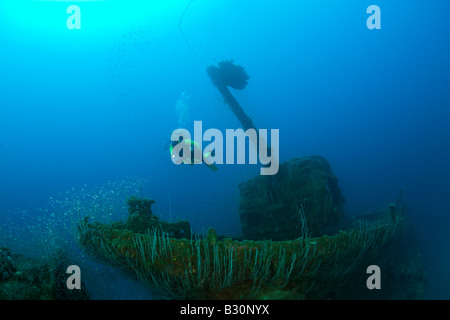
23 278
324 256
234 76
269 205
228 75
205 268
141 219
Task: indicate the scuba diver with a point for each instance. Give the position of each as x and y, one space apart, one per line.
194 149
182 111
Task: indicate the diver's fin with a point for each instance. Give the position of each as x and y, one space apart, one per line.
212 167
206 157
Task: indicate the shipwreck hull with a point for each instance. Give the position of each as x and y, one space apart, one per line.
206 268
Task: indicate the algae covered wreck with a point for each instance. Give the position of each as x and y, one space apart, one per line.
301 246
296 243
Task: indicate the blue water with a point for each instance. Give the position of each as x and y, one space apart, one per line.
83 108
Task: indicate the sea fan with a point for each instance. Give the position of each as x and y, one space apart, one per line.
228 75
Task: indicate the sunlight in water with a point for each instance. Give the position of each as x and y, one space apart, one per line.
96 15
